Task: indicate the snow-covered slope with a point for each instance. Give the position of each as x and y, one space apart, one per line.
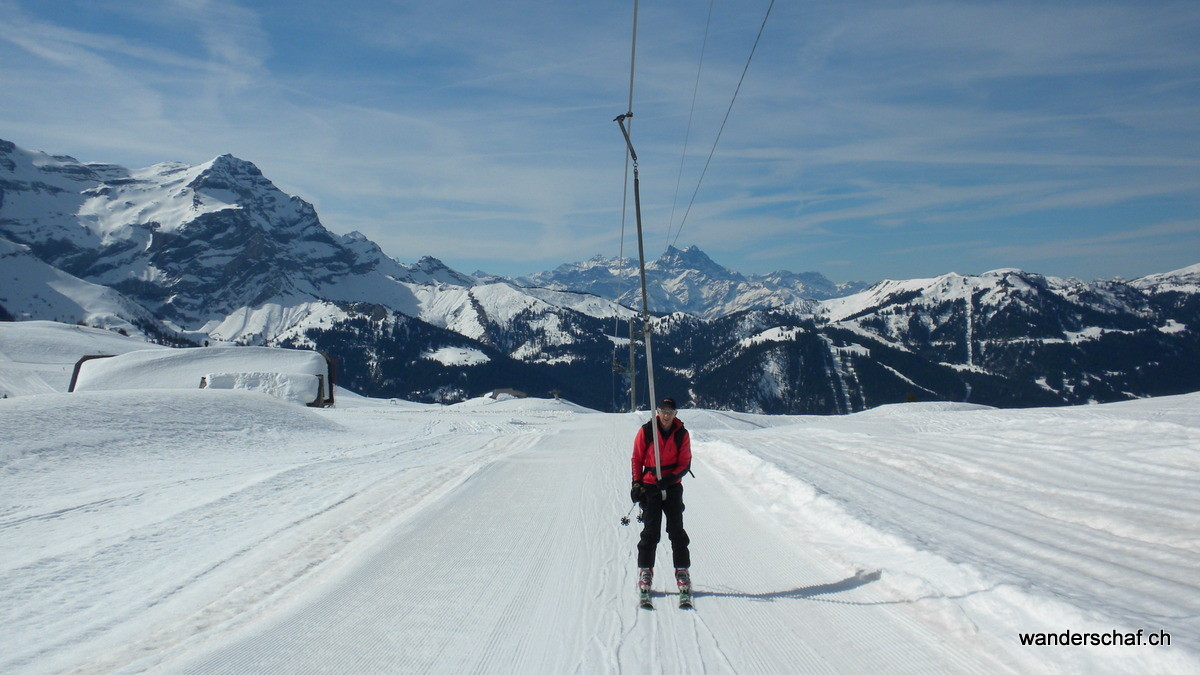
209 531
1186 280
31 289
999 291
38 357
1006 337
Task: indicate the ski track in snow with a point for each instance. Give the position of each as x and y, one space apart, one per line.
509 550
1033 510
211 532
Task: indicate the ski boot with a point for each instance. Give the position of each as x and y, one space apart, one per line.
645 580
683 579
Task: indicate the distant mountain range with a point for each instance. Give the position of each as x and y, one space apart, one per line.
179 253
689 281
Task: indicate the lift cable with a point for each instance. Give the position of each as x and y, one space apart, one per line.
723 122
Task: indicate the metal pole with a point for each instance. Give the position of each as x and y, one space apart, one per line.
637 209
632 370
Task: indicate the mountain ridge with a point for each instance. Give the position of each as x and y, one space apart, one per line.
217 251
688 280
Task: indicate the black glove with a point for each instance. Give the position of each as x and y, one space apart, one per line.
637 492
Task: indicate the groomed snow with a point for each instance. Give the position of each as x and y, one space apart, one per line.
221 531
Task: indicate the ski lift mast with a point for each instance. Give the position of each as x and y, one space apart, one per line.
646 328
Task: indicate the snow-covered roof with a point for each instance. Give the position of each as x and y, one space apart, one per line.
288 373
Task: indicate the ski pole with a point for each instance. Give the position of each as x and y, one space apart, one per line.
625 518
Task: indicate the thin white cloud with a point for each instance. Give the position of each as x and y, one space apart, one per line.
1131 243
429 124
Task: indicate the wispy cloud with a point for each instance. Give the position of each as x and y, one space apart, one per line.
455 128
1128 248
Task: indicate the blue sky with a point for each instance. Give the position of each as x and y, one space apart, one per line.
870 140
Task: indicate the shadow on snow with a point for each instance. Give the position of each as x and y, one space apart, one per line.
818 593
860 579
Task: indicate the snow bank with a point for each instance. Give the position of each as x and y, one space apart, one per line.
916 409
350 399
296 387
85 426
509 403
289 373
998 521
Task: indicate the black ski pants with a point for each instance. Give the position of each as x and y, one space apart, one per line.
654 507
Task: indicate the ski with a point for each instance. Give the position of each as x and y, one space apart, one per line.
644 600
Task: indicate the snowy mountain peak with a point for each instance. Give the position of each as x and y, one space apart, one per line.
368 255
1186 280
429 269
232 164
692 259
227 177
689 281
218 248
44 171
1191 270
603 261
990 288
192 243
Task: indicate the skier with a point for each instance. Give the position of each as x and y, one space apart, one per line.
665 497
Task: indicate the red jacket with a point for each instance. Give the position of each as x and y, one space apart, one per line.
674 449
